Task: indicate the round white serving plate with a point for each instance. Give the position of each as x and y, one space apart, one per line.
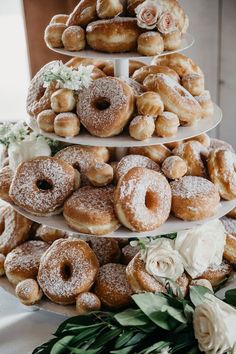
171 225
125 140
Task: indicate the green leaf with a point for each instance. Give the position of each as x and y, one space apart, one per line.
230 297
156 347
126 350
188 311
177 314
197 294
132 317
123 339
108 336
163 320
60 345
82 351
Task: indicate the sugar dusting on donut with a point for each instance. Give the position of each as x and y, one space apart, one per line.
190 186
130 161
229 224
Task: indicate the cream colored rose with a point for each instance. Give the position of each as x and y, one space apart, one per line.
162 261
147 14
166 23
201 247
214 325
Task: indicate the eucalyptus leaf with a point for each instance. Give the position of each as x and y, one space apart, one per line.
109 336
177 314
132 317
126 350
123 339
156 347
197 294
60 345
230 297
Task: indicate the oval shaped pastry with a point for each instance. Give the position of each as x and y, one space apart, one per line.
106 249
217 275
108 8
142 127
42 185
87 302
174 167
28 292
157 153
106 106
194 198
49 235
141 74
68 268
142 199
149 103
83 13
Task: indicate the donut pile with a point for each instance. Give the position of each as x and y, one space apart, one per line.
116 26
154 101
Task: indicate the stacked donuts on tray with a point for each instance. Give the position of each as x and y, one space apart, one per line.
144 26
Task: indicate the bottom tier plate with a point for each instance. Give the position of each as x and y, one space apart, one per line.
171 225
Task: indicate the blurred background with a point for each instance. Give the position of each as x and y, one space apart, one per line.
23 52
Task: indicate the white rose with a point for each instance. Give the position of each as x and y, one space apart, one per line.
214 325
201 247
163 261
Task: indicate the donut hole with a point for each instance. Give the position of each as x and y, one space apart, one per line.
102 103
151 201
66 271
2 227
44 184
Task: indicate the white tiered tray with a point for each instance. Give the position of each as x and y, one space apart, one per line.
125 140
171 225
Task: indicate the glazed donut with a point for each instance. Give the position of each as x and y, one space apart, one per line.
217 275
142 199
222 172
194 154
130 161
90 210
67 124
194 198
59 19
157 153
67 269
112 286
193 83
2 261
150 43
83 13
172 40
87 302
203 138
149 104
45 120
141 74
14 229
128 253
106 249
174 167
23 262
38 98
119 34
176 98
73 38
216 143
100 175
106 106
206 103
63 100
53 35
6 176
29 292
108 8
230 249
41 185
49 235
232 214
167 124
142 127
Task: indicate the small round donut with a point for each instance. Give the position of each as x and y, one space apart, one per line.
230 249
175 97
128 253
130 161
106 106
232 214
67 125
63 100
53 35
150 43
206 103
112 286
229 224
100 175
60 18
141 74
216 143
217 275
167 124
23 262
14 229
2 261
91 211
157 153
222 172
172 40
203 138
194 83
142 199
28 292
108 8
49 235
6 176
149 104
87 302
119 34
41 185
84 13
174 167
45 120
107 250
68 268
73 38
142 127
194 198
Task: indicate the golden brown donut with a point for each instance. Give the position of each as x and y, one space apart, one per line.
157 153
149 104
60 18
142 199
83 13
142 127
87 302
106 249
97 74
137 88
45 120
53 34
23 262
119 34
73 38
222 172
203 138
108 8
128 252
194 198
106 106
230 249
216 275
174 144
67 125
63 100
167 124
100 174
216 143
2 261
76 62
172 40
14 229
194 83
49 235
41 185
141 74
91 211
112 286
6 176
28 292
174 167
206 103
150 43
67 269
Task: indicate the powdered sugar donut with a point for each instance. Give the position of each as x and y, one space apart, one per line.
87 302
28 292
141 74
174 167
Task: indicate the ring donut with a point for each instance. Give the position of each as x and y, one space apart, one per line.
83 13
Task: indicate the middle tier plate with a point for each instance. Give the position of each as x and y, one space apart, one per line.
171 225
125 140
